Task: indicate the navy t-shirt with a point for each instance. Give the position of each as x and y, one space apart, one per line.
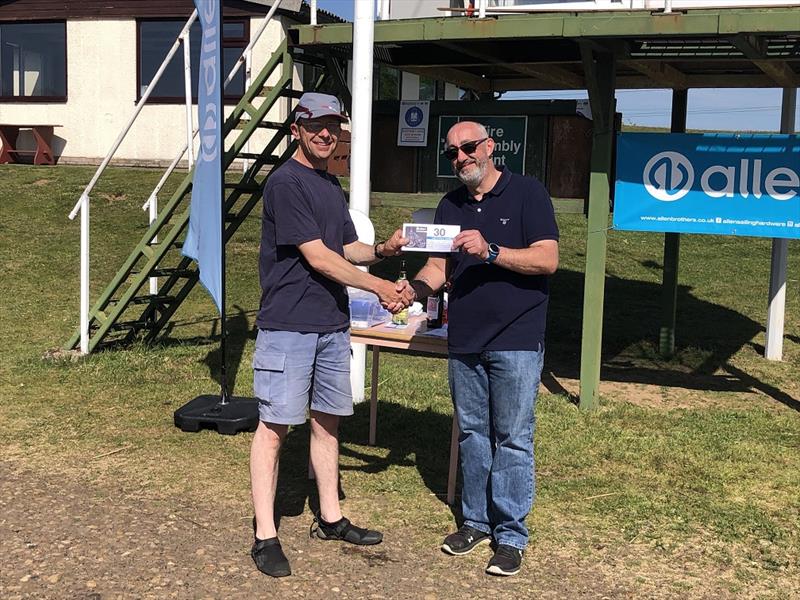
492 308
302 204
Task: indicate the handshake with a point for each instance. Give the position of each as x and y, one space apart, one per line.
394 297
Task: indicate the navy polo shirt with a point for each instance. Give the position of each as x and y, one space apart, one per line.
300 205
492 308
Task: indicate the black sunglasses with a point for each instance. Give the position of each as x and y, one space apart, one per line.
467 148
333 127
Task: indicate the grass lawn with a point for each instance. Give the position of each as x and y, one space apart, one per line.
685 481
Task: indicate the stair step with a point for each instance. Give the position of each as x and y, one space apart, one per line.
271 159
166 272
274 125
130 325
278 126
244 187
267 89
150 250
151 298
232 217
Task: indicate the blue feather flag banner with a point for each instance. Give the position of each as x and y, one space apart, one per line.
204 239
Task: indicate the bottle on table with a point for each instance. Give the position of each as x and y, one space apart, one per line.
401 318
435 310
448 286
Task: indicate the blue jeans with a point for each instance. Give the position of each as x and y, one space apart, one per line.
494 393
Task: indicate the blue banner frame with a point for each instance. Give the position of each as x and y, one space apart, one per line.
204 238
728 184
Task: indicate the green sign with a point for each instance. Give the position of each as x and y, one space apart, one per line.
509 135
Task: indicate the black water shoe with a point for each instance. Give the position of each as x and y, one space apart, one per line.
269 558
345 531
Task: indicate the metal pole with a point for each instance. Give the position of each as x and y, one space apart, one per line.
314 11
667 6
773 345
482 8
672 247
248 66
153 215
84 273
187 89
384 10
361 136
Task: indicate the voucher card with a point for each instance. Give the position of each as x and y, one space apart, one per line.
427 237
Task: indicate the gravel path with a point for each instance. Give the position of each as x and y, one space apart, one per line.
68 539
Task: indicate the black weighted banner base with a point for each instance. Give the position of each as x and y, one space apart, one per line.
208 412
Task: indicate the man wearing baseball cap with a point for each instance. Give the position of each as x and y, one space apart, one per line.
309 252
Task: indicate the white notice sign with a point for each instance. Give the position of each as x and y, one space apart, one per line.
427 237
412 129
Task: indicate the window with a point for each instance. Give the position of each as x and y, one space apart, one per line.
155 38
33 62
430 88
386 84
312 74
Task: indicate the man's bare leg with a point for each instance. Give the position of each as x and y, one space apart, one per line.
325 461
264 454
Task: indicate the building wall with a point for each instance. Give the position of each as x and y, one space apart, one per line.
101 92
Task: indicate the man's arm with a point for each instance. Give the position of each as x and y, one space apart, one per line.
327 262
540 258
363 255
431 277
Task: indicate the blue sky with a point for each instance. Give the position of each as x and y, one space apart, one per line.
733 109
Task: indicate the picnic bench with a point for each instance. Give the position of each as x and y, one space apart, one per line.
43 134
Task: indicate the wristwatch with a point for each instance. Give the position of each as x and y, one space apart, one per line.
494 250
378 255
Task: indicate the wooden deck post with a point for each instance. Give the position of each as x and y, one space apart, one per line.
600 81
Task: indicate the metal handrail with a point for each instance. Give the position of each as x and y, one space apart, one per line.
139 105
152 202
244 57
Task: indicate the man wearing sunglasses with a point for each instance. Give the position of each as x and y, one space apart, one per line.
309 249
507 248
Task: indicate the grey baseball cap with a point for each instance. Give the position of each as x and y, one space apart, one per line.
314 104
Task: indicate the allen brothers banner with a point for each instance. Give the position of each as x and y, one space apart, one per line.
729 184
